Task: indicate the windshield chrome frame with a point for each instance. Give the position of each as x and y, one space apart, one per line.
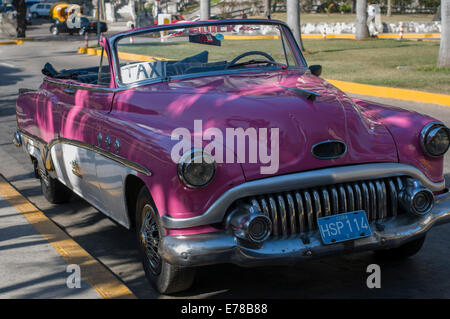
286 33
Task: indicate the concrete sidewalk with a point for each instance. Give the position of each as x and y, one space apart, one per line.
29 265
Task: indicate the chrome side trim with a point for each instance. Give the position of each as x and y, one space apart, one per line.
48 161
302 180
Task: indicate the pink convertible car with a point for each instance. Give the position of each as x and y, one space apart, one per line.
216 143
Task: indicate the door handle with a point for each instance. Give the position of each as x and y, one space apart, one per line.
69 91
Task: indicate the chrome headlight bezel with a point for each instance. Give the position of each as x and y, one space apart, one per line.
188 159
428 133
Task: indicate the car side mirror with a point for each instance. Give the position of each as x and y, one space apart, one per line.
316 69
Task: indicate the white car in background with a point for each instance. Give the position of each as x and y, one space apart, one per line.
40 10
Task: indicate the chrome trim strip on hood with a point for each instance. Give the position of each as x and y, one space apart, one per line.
302 180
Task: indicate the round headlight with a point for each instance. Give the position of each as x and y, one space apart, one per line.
435 139
196 168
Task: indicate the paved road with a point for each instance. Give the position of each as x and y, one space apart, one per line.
425 275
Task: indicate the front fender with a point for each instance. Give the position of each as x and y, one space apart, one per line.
405 127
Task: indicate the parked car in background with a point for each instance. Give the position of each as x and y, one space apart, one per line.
40 10
133 136
5 8
29 3
9 8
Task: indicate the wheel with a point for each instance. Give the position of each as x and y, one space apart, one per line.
54 30
406 250
164 277
53 190
34 15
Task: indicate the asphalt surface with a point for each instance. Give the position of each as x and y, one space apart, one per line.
426 275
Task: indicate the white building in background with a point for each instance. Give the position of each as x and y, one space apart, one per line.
125 10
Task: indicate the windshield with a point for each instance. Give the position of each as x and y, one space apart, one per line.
203 49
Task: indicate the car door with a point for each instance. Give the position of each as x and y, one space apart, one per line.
82 105
46 12
111 162
39 8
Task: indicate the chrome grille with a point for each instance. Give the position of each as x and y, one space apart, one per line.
296 212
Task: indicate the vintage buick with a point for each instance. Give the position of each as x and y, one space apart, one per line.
216 143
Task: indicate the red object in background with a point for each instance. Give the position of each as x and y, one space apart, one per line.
205 38
175 18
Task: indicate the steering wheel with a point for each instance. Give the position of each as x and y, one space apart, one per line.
243 55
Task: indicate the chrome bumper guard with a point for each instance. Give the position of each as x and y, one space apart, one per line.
223 247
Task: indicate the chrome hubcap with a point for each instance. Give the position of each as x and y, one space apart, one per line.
150 238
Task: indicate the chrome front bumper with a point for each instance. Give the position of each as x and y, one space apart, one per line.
223 247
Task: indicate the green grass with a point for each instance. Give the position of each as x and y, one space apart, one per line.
348 17
370 62
375 62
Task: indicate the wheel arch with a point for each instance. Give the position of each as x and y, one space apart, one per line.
133 184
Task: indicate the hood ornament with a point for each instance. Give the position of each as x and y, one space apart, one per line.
329 149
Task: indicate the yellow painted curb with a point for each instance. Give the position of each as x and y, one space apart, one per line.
392 93
11 42
409 36
139 57
23 39
328 36
91 51
123 55
250 37
92 271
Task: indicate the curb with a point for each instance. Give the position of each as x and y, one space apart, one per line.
100 278
392 93
15 41
349 87
122 55
11 42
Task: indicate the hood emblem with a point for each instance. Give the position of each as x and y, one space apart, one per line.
310 95
329 149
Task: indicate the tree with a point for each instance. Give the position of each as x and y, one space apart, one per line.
444 49
266 8
362 31
293 20
389 7
21 9
205 9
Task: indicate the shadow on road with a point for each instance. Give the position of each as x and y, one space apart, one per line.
10 75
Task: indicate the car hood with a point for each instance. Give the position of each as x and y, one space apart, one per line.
272 100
